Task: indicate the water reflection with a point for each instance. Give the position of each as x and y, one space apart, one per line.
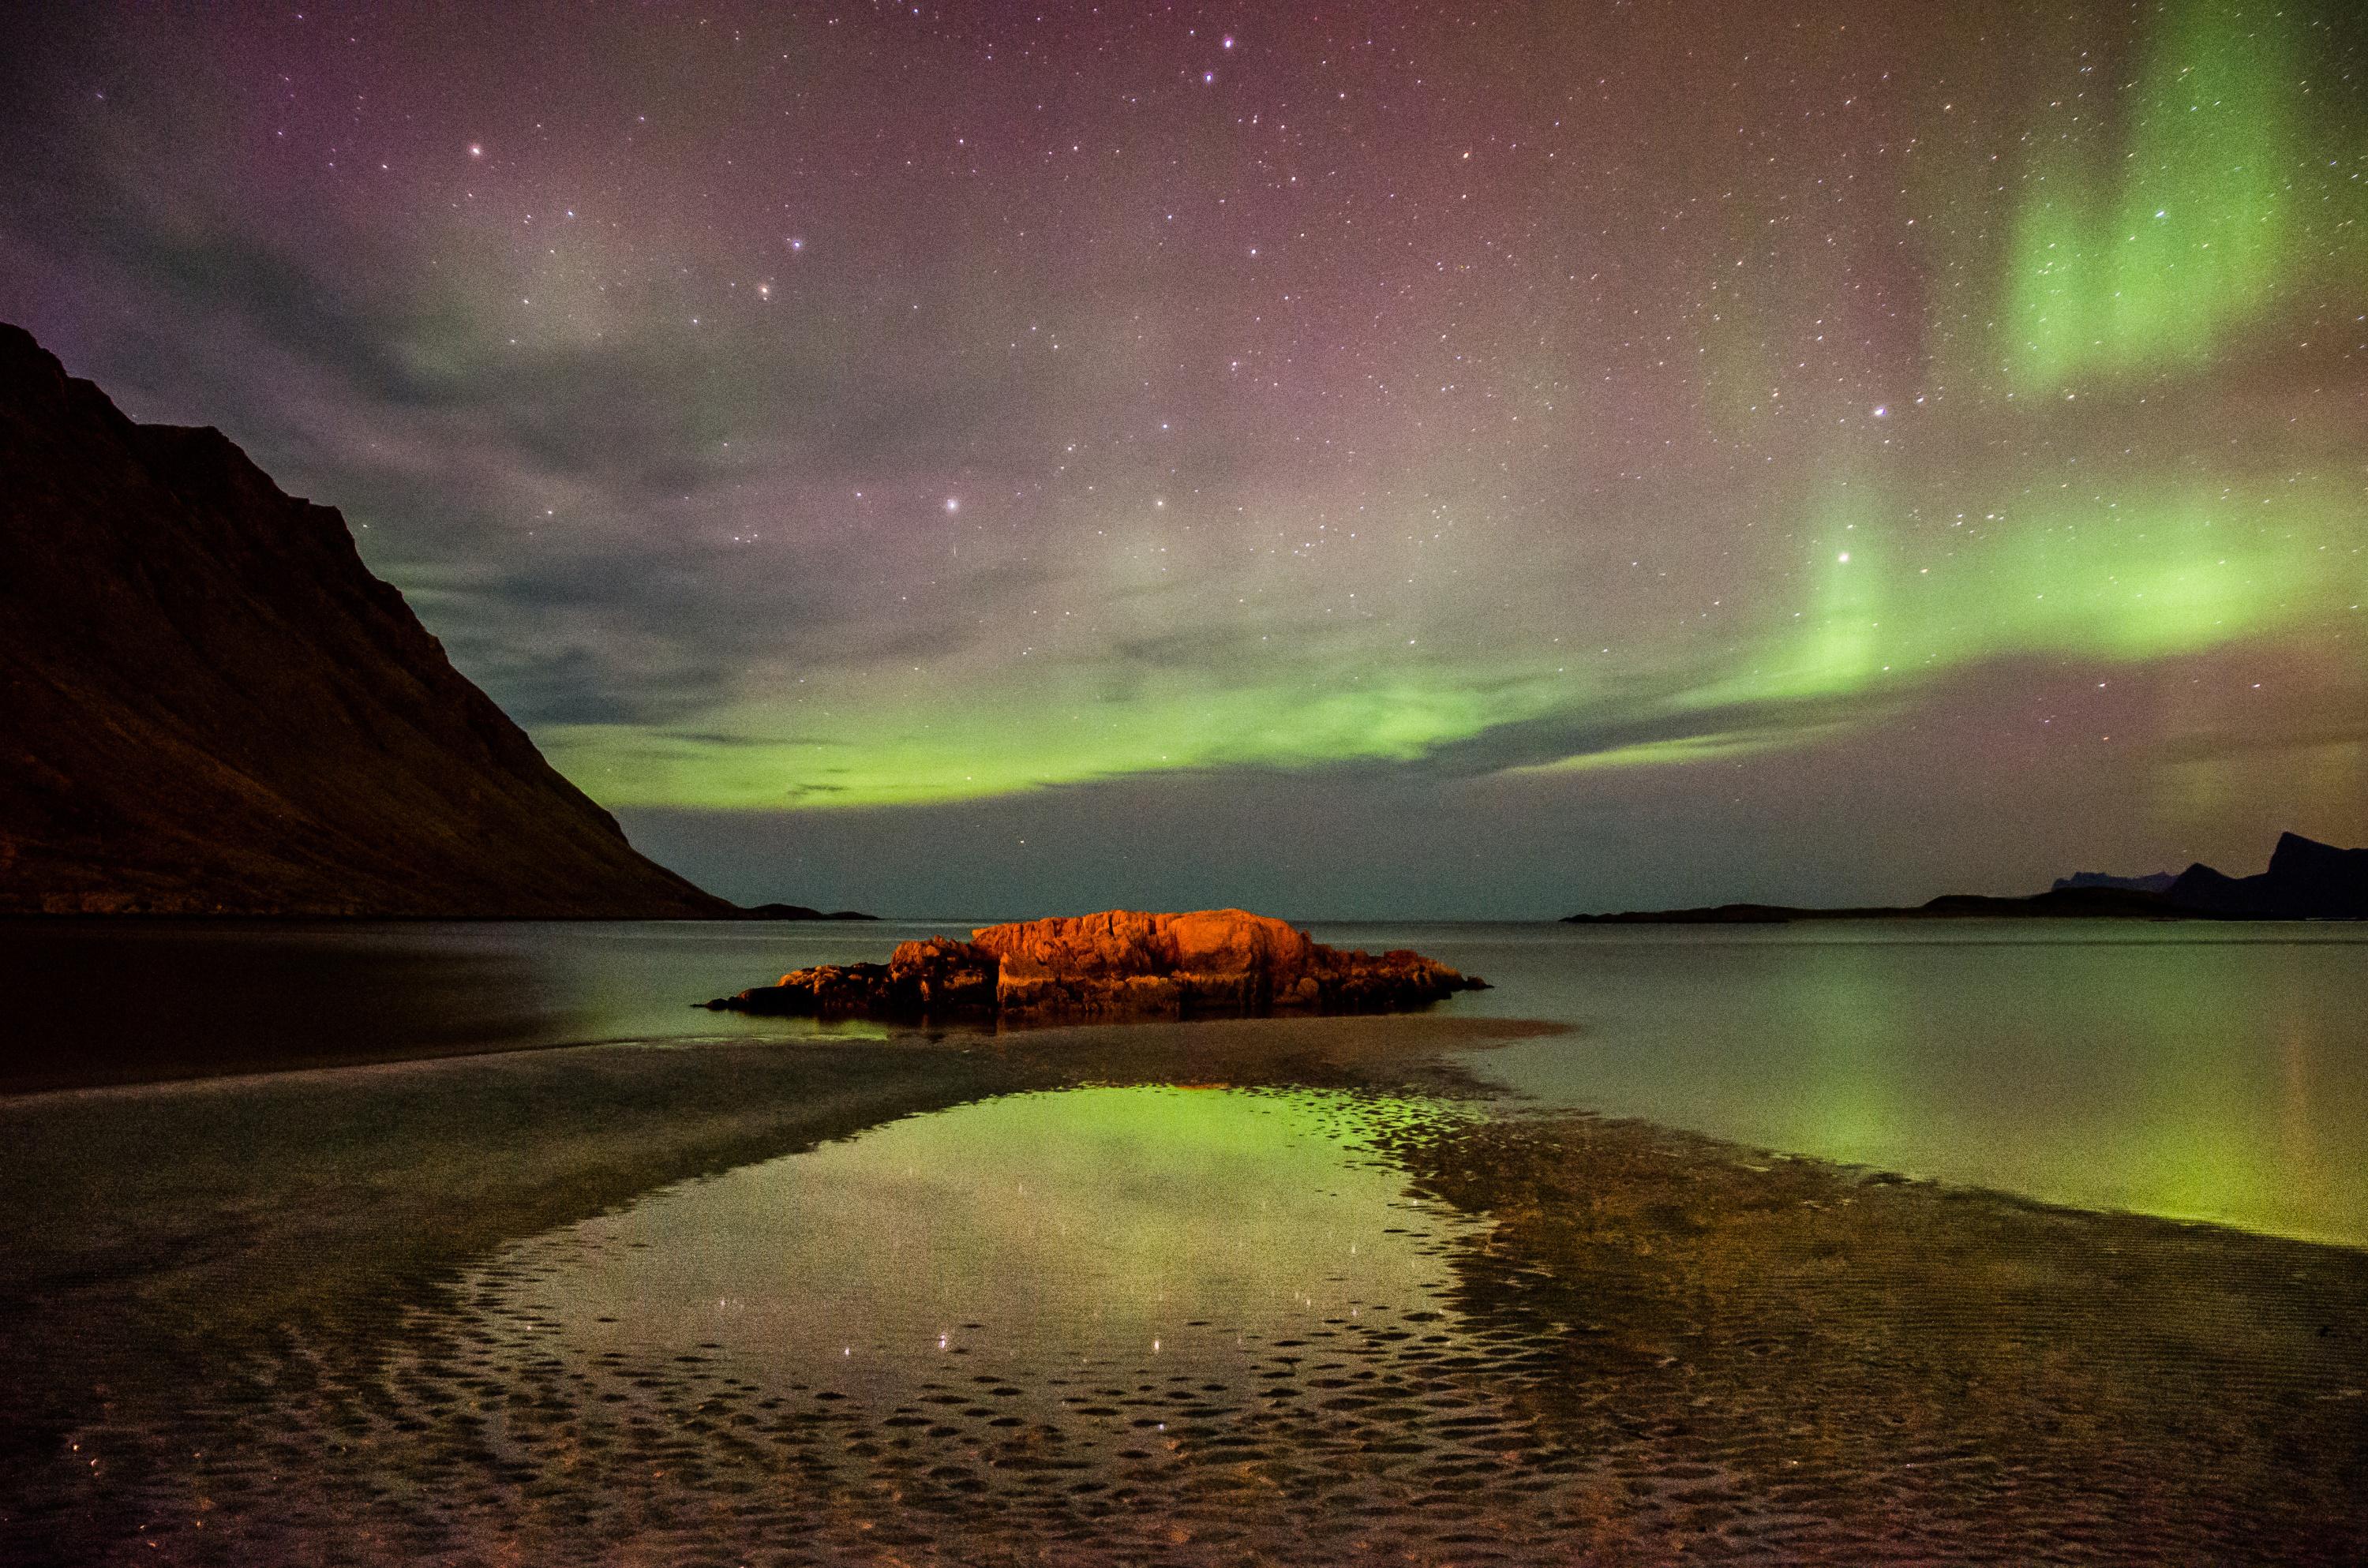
2148 1067
1139 1228
1126 1321
2205 1071
108 1001
125 1001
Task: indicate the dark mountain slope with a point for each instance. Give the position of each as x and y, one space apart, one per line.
209 704
2307 880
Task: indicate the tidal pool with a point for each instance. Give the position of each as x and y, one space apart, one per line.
1142 1318
1151 1228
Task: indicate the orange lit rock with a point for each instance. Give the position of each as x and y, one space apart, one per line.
941 975
1117 964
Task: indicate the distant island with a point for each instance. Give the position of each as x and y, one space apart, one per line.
210 706
2158 882
1118 964
2305 881
799 912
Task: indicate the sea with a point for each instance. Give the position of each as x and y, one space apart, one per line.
2191 1070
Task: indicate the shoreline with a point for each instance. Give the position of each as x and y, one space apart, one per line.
1033 1055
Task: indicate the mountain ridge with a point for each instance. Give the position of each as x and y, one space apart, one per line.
2305 881
209 705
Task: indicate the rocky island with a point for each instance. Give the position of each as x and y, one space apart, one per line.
1117 964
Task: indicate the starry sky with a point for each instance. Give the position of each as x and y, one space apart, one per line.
1477 460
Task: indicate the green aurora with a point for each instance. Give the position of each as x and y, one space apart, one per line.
2206 215
2155 571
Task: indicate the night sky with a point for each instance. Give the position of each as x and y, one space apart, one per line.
1363 461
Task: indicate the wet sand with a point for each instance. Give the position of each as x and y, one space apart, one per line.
1783 1360
325 1317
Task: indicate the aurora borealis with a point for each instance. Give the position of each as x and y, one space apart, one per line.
1481 460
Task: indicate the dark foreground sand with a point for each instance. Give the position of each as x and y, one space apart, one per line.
258 1321
1784 1359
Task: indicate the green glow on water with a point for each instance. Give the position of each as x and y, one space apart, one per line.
1098 1217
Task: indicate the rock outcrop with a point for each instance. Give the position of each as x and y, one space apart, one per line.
209 704
1116 964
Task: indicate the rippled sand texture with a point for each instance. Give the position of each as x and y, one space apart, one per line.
1558 1341
1780 1361
498 1428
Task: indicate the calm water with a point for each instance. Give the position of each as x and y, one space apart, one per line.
2213 1072
1037 1246
2201 1072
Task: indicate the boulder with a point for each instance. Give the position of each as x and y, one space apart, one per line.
1116 964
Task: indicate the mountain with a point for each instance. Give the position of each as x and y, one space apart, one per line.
2158 881
2307 880
801 912
2060 902
209 704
